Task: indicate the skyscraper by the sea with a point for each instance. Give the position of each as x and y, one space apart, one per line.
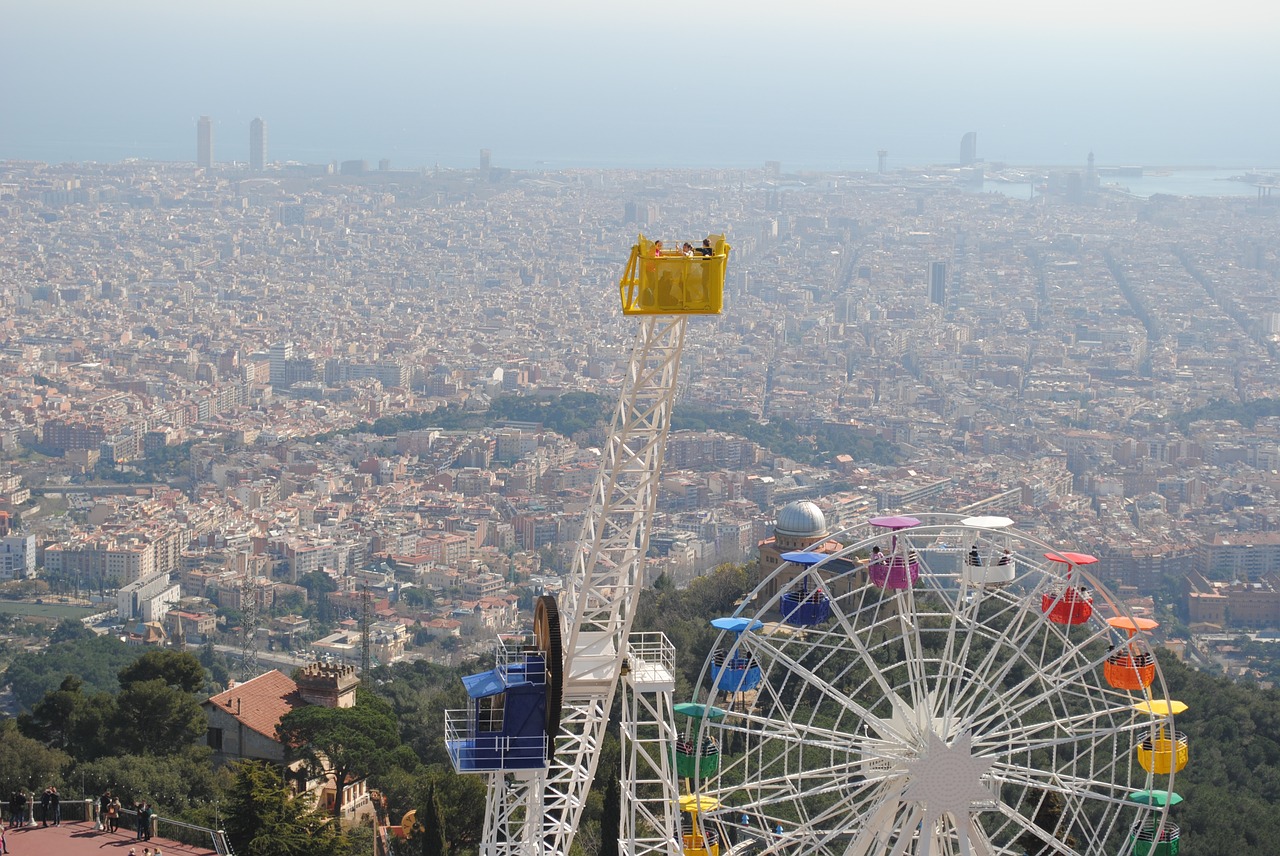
204 142
257 145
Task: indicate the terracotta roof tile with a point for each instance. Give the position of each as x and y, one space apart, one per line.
260 702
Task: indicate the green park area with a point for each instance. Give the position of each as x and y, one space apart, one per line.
46 609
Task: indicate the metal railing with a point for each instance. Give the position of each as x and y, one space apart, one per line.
470 750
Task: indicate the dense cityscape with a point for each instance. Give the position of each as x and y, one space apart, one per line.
306 415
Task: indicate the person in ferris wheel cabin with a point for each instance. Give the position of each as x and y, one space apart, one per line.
705 249
973 556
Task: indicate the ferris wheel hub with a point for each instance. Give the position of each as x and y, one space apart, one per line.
948 779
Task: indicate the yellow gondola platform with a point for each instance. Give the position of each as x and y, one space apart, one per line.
667 282
698 836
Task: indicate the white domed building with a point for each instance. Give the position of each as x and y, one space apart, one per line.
801 525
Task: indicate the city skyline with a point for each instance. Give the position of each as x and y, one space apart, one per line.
1136 85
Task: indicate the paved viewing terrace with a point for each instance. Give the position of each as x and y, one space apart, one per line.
79 838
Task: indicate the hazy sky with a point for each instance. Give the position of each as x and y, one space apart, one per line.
569 82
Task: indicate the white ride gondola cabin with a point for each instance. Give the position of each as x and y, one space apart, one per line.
987 561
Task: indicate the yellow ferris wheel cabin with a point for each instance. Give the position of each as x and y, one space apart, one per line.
675 279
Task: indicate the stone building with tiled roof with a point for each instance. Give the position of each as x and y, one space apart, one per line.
243 721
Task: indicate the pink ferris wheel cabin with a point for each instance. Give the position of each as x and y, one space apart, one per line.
901 567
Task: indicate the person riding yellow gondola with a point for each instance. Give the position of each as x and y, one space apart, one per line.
683 282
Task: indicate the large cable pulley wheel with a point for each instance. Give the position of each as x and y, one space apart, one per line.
546 636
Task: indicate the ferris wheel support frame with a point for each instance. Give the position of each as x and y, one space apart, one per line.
649 824
537 813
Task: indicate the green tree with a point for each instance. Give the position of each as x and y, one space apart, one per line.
610 819
157 719
462 799
419 694
95 660
174 783
428 832
414 596
216 663
346 743
318 585
69 719
399 787
69 630
177 669
26 762
264 819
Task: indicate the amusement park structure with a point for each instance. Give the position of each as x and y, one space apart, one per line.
537 719
933 685
936 684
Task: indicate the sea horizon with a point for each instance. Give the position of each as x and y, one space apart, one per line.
566 163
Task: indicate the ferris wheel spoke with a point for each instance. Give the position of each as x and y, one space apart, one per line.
1062 783
867 657
909 819
815 738
971 838
851 804
1051 686
1027 827
1044 669
954 674
1022 737
908 624
1000 659
880 823
778 656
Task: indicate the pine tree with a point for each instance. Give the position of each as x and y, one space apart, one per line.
430 830
611 819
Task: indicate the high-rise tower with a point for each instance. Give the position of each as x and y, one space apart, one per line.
938 283
882 157
257 145
204 143
969 149
278 356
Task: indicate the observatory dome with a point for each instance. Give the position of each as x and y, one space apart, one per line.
801 519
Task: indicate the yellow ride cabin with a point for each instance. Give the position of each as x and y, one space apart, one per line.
665 281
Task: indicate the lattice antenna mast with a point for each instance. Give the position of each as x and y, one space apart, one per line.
250 619
366 614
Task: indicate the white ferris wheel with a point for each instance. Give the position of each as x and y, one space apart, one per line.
940 686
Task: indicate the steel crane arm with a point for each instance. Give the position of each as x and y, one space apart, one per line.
608 569
537 813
